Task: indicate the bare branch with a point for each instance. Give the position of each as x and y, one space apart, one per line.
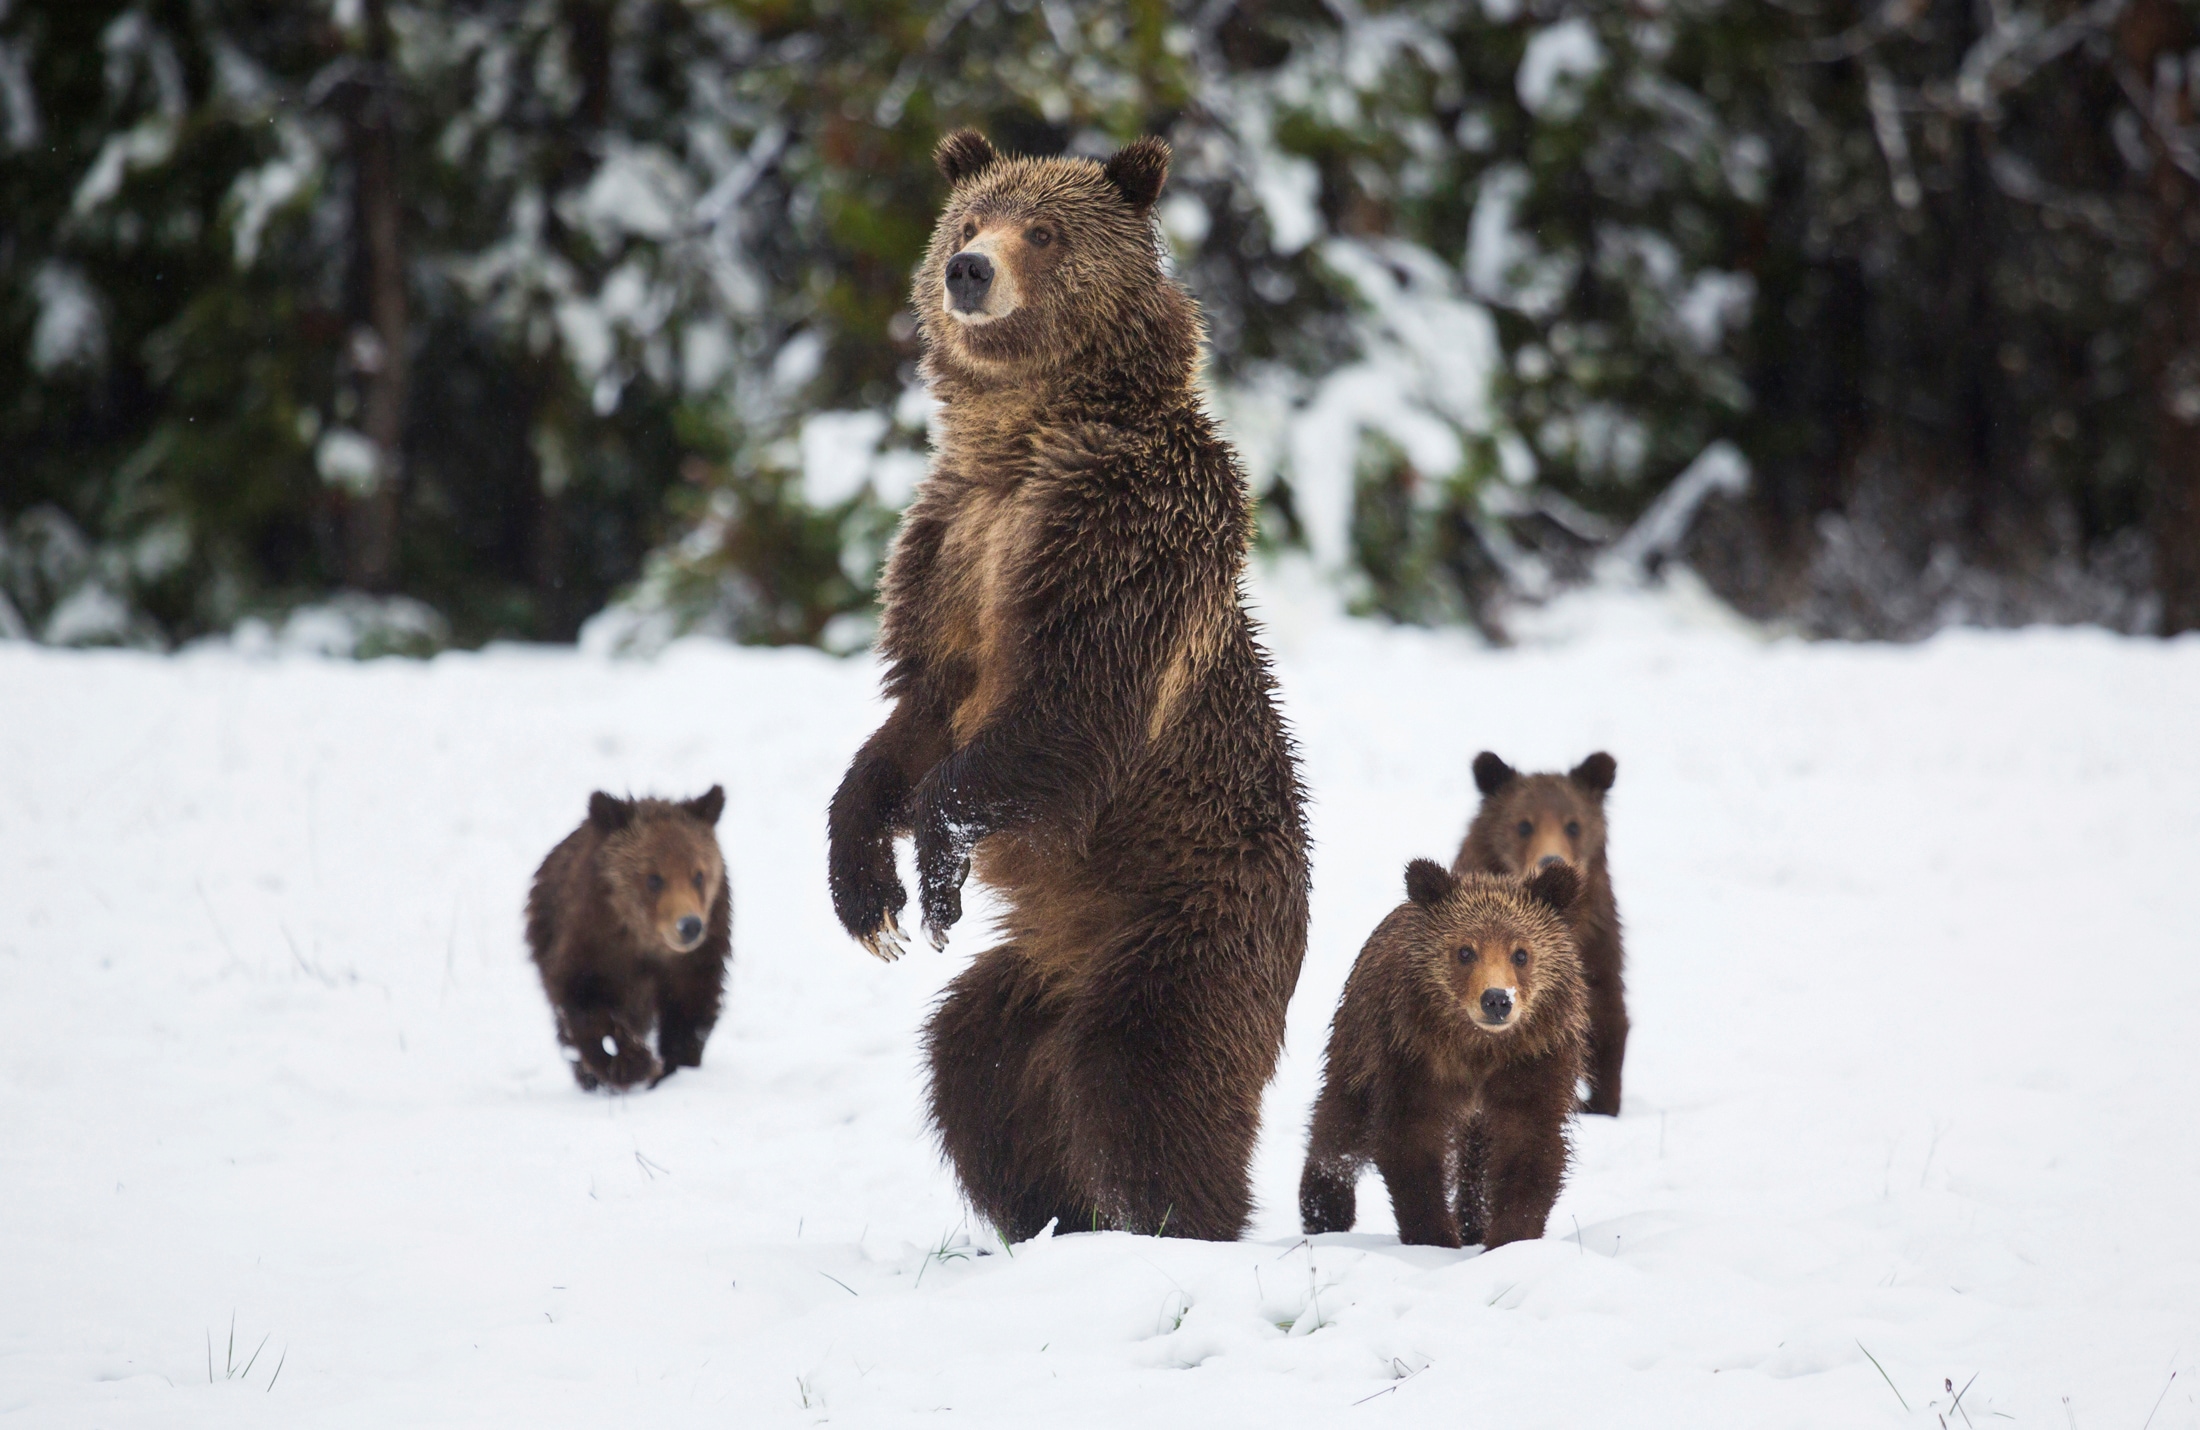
2012 52
1889 19
2155 108
1879 93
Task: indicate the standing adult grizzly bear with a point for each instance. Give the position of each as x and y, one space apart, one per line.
629 922
1529 822
1083 717
1452 1061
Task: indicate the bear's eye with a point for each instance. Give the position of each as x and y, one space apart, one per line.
1466 954
1524 828
1040 236
1520 958
970 231
656 883
698 881
1573 829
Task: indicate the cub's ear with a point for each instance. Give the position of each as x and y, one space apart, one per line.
1595 773
1556 885
962 155
708 805
1428 883
1138 171
608 814
1492 774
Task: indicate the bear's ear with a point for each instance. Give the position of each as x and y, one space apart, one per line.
1556 885
708 805
1428 883
962 155
607 813
1595 773
1138 171
1492 774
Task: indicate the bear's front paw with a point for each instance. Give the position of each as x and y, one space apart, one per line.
867 898
943 904
943 909
943 862
619 1061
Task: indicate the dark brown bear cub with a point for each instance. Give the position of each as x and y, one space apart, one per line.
1083 719
1452 1061
630 924
1529 822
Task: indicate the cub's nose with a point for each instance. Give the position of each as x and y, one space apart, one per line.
1549 859
691 928
1497 1004
969 278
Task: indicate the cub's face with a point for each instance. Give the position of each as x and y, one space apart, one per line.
1488 941
1537 821
1033 259
663 865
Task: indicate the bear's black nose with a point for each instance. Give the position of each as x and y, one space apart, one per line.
1548 860
689 929
969 275
1497 1004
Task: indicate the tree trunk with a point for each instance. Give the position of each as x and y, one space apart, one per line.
2154 37
370 527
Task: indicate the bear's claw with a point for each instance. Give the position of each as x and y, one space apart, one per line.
887 942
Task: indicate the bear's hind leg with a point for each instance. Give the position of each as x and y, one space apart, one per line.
1165 1154
1607 1048
991 1103
1161 1122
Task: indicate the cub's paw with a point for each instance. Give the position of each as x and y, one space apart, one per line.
679 1049
619 1061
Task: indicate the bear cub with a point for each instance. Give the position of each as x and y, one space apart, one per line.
1452 1061
629 922
1530 822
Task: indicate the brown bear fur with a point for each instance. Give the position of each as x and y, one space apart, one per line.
1083 717
630 925
1527 821
1466 1121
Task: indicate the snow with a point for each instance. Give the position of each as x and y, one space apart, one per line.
1911 972
1558 61
1422 382
347 460
638 190
1503 263
70 328
837 451
1718 468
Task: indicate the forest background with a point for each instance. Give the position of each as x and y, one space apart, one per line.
380 325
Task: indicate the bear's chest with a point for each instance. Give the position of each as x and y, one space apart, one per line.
980 575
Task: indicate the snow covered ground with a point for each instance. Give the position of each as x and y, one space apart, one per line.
1914 974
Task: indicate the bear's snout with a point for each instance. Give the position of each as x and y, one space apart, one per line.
690 930
1549 859
969 279
1497 1004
